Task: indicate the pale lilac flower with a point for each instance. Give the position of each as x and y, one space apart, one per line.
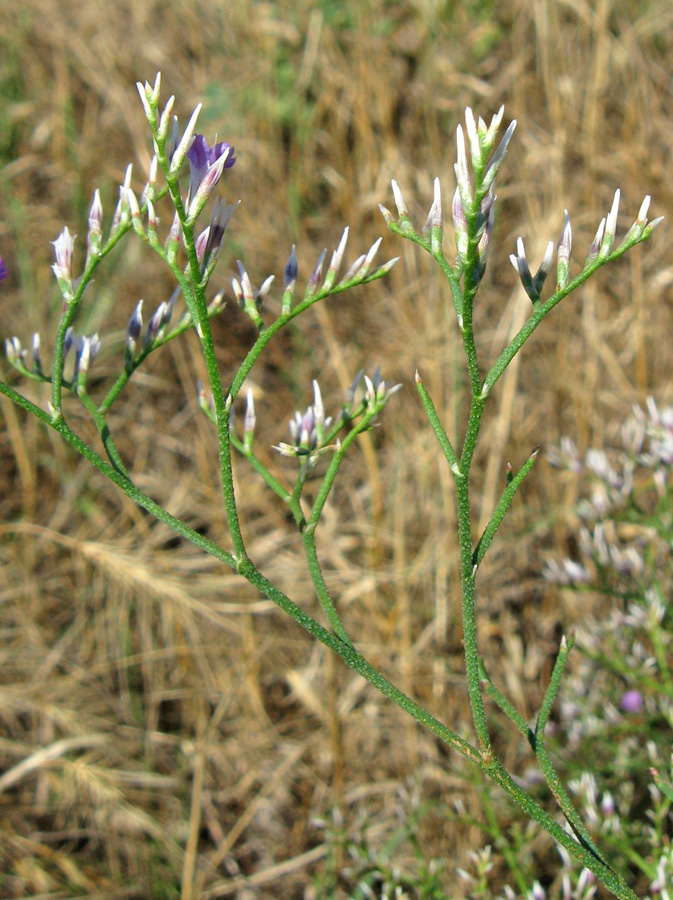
15 352
610 228
568 572
307 431
3 269
63 249
85 347
608 803
377 391
159 319
247 297
314 277
87 350
95 234
565 455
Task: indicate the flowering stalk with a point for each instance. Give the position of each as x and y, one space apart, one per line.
472 213
314 435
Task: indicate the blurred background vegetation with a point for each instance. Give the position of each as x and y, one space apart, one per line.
201 746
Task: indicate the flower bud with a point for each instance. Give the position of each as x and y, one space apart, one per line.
173 241
610 228
157 322
460 226
63 250
314 277
473 138
498 156
402 210
596 244
435 222
545 268
180 152
219 220
37 360
291 270
335 262
162 131
461 170
483 247
249 421
488 134
565 246
134 327
95 235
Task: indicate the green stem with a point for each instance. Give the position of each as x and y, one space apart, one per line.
469 615
501 509
540 310
125 376
437 427
222 406
324 596
104 432
505 705
279 489
354 660
551 777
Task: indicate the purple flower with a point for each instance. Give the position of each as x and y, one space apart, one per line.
3 269
201 157
632 702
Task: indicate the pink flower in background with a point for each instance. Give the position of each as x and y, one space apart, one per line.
632 702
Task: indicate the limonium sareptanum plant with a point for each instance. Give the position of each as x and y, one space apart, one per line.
191 255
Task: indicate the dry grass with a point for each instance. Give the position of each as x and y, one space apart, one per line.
164 731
